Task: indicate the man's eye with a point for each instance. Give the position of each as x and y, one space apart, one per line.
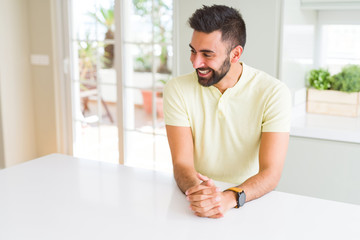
207 55
192 51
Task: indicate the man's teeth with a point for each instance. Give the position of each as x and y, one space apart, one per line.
204 71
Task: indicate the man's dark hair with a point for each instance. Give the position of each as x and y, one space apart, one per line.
223 18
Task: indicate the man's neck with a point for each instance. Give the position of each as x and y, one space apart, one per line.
231 78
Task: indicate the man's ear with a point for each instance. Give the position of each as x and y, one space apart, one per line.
236 54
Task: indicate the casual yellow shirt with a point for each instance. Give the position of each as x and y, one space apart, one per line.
227 127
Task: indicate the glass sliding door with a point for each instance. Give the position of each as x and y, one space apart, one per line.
146 44
93 80
148 65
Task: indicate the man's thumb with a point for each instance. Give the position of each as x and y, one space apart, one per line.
205 179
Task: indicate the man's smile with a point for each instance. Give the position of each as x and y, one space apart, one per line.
203 72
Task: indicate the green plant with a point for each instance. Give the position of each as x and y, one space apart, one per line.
155 10
142 61
319 79
348 80
106 18
163 82
87 59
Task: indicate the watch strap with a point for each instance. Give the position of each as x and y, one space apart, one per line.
235 189
238 191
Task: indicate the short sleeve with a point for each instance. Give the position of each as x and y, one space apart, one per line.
277 111
175 112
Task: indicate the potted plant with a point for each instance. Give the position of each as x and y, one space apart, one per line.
106 18
335 95
148 103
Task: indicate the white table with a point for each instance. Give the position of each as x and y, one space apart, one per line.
61 197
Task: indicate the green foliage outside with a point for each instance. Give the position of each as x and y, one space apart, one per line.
154 10
87 59
106 18
348 80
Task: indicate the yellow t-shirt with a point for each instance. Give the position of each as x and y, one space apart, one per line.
227 127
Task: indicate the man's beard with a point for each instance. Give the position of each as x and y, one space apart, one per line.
216 76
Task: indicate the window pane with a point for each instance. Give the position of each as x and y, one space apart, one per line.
341 46
162 154
94 80
138 107
149 54
162 21
88 111
163 58
97 142
138 27
108 104
138 66
140 149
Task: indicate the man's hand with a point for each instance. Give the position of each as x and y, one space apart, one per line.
206 200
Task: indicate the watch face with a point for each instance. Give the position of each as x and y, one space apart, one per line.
242 198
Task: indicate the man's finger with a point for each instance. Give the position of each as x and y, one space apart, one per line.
215 211
206 202
202 177
199 197
202 189
208 183
196 189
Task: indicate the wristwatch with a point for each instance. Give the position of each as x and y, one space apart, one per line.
240 196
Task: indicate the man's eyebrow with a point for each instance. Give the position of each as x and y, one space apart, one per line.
202 50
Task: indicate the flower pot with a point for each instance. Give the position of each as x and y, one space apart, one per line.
147 101
333 102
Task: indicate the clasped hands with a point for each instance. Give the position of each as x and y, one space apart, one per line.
207 200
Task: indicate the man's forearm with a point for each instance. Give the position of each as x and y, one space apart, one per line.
185 178
272 153
260 184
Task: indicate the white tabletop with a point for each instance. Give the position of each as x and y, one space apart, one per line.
61 197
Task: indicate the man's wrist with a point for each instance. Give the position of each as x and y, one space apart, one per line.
231 196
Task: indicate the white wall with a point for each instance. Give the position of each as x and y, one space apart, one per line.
2 157
298 37
262 19
27 92
43 76
17 106
322 169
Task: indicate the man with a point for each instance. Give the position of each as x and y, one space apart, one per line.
226 121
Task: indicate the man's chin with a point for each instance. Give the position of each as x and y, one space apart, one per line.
205 82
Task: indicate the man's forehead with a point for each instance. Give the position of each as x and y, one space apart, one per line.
209 42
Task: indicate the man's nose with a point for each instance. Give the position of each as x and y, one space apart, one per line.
197 61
